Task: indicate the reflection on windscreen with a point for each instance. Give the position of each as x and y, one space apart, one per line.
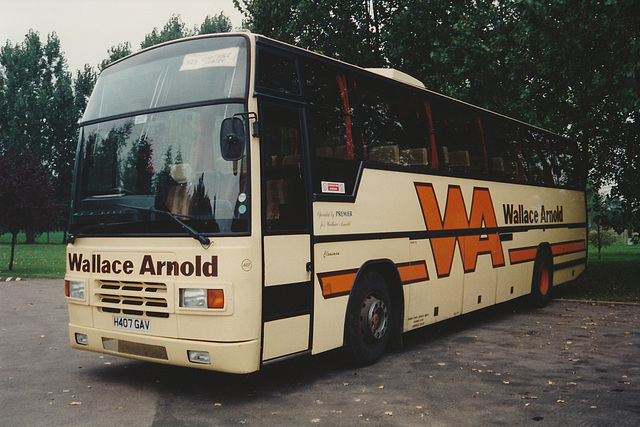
168 161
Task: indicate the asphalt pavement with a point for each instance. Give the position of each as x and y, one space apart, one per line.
569 364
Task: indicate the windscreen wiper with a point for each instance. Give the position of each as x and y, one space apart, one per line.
204 241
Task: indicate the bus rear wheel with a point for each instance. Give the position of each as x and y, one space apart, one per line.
369 315
542 281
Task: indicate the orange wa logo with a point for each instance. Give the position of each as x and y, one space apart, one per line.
475 234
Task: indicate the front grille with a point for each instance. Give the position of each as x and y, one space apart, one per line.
133 298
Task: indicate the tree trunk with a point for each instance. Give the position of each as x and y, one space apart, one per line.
599 242
31 236
14 238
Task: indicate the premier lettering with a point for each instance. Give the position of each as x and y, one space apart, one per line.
199 267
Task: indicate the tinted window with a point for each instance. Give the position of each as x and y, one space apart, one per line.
393 124
335 138
458 133
277 72
285 207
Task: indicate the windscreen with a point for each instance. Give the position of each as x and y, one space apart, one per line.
149 158
190 71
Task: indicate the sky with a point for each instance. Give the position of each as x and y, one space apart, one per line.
88 28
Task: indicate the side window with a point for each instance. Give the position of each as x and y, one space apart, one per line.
538 157
504 150
460 139
336 144
284 201
277 73
568 167
394 127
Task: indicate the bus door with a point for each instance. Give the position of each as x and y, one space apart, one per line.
287 289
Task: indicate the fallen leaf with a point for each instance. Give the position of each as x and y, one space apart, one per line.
75 403
381 387
388 413
217 404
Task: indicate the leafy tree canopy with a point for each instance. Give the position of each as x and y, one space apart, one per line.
573 70
38 115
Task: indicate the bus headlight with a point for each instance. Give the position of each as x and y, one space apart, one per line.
74 289
202 298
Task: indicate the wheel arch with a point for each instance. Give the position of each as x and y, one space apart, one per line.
389 272
544 255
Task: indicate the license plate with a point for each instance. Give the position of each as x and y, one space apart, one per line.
131 324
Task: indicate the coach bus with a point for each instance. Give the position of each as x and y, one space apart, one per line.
238 201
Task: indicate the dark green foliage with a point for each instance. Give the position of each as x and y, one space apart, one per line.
115 53
37 113
219 23
26 196
173 29
567 67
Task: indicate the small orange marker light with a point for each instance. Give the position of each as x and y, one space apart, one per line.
215 298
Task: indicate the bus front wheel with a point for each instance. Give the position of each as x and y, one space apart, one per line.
542 279
369 319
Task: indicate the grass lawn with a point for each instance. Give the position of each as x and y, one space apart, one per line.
615 277
39 260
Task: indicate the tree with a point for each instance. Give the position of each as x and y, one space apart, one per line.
572 70
26 196
215 24
346 30
37 112
115 53
173 29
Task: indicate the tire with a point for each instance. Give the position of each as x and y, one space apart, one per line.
369 314
542 281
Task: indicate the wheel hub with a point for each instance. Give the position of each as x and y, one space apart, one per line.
374 318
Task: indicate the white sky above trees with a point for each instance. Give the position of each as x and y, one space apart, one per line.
88 28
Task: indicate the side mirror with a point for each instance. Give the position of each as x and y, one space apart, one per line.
232 138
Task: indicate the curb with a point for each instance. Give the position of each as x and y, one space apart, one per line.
10 279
